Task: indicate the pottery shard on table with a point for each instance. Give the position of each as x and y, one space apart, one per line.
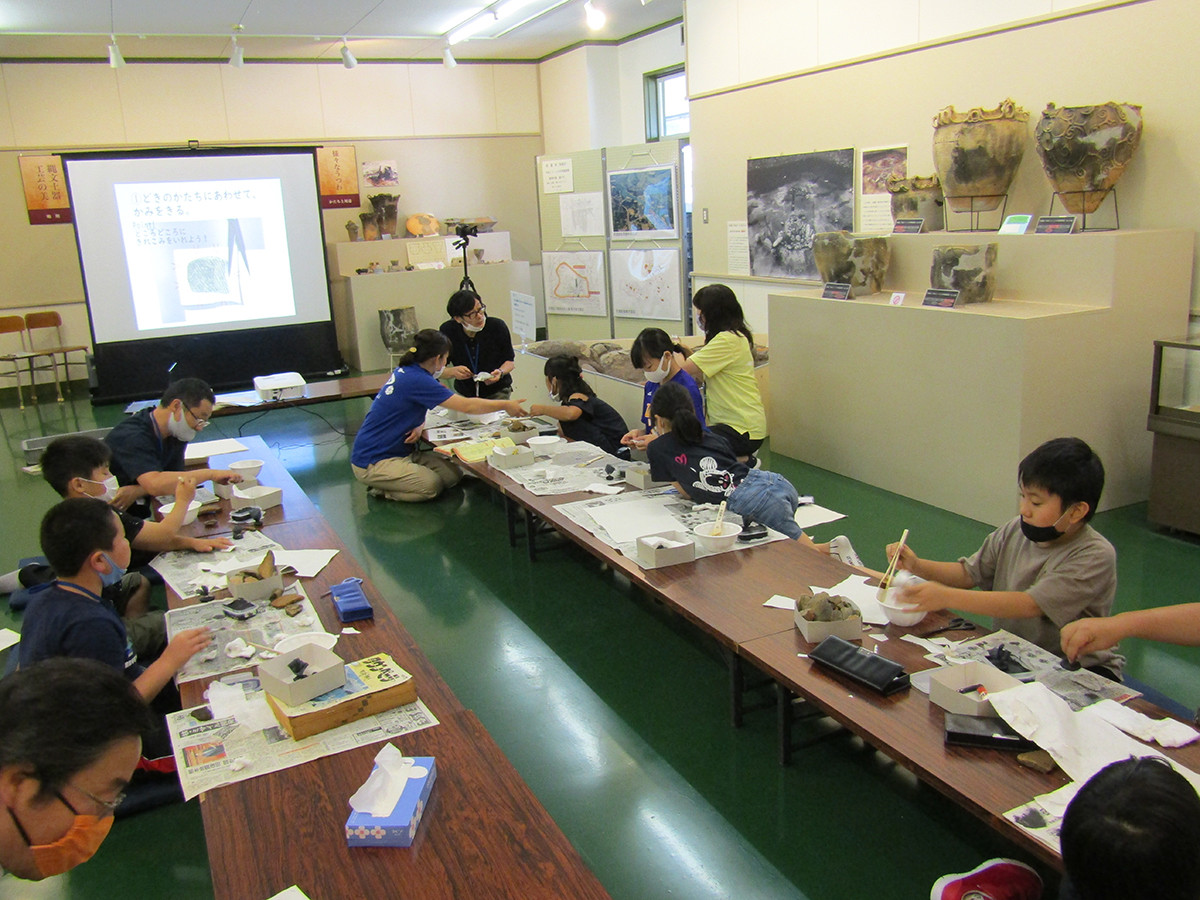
977 154
970 270
1086 149
860 262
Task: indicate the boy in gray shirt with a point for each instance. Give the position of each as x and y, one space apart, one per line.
1042 570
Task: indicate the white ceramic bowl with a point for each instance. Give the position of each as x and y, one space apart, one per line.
898 613
189 517
292 641
247 468
544 443
714 543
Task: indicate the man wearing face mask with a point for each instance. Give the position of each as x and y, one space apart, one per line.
72 736
148 447
1044 569
481 350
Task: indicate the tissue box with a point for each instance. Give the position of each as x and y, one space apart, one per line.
283 386
326 671
225 491
814 632
656 557
640 479
259 495
400 827
256 591
511 457
945 684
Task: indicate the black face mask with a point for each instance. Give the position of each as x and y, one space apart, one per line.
1042 534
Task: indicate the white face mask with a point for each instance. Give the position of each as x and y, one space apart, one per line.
179 428
438 373
659 373
110 488
474 329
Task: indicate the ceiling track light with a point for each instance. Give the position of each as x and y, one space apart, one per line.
238 57
594 15
448 59
348 59
115 59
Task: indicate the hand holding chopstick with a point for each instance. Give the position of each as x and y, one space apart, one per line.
894 561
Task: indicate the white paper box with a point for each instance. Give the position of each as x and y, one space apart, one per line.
657 557
814 632
945 684
225 491
640 479
259 495
326 671
514 458
256 591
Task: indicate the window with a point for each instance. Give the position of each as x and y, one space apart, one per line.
667 104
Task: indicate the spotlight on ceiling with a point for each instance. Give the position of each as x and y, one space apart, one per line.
448 59
115 59
348 58
594 15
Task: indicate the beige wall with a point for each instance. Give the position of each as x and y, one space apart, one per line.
1133 53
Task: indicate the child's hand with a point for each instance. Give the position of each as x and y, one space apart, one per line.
928 595
514 408
459 373
908 559
185 645
207 545
1085 636
185 491
224 476
637 439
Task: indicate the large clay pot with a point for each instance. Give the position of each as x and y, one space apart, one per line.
970 270
918 197
371 222
977 153
860 262
1085 150
385 206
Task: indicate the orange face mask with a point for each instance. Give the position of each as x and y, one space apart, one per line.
78 845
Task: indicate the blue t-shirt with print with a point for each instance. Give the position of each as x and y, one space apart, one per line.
62 622
398 408
683 379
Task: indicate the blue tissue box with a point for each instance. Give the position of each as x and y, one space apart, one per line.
400 827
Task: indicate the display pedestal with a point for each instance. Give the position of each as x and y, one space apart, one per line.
941 405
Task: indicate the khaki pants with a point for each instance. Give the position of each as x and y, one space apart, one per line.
411 479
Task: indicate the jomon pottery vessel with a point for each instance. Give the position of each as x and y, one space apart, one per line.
918 197
1086 149
977 153
970 270
860 262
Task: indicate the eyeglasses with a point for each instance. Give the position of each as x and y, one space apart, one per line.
477 312
201 423
109 805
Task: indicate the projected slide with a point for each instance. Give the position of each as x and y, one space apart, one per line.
205 252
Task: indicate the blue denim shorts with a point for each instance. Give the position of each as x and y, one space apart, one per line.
769 498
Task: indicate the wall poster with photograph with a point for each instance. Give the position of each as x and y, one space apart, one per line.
642 203
789 201
645 284
875 202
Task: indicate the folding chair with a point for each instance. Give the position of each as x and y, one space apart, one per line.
40 321
10 355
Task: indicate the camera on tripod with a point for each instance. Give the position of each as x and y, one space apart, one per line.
465 233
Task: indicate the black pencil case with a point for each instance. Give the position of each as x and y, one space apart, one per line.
861 665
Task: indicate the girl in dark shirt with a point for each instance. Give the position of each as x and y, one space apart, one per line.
581 415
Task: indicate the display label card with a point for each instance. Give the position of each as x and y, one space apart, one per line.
1055 225
897 298
835 290
558 176
908 226
421 251
941 298
1015 225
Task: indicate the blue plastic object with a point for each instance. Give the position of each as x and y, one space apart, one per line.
349 601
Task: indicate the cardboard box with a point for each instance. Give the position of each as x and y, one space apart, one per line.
649 557
326 671
945 684
398 829
255 591
225 491
260 495
640 479
850 629
373 685
510 457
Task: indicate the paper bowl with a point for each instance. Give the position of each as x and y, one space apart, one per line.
898 613
714 543
189 517
544 443
292 641
247 468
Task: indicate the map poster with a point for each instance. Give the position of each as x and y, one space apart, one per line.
645 284
575 283
642 203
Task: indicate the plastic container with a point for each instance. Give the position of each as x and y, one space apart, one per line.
189 517
247 468
715 543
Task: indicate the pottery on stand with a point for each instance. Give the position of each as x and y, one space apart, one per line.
385 205
370 225
970 270
977 154
860 262
1086 149
918 197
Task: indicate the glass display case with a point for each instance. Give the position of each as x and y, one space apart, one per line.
1175 421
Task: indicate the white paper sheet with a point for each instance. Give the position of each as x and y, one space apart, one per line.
810 515
632 519
855 588
778 601
205 449
307 563
8 637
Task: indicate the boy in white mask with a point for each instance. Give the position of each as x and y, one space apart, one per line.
481 350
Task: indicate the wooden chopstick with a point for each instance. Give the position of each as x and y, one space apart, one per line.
891 569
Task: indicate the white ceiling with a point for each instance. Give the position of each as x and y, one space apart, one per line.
308 29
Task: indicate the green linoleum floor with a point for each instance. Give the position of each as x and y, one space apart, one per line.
612 709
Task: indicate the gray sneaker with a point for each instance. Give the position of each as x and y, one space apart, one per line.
842 550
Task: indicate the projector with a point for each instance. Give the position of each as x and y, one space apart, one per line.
283 386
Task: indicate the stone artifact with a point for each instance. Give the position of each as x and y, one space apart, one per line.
825 607
352 230
370 225
918 197
970 270
385 206
977 153
1085 150
860 262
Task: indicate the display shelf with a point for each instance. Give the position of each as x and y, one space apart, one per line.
1174 420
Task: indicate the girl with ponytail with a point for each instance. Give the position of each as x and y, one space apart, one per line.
581 415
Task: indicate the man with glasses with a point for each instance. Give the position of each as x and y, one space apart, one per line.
148 447
481 351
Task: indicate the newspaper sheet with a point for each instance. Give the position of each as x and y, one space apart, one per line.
223 751
571 470
265 628
188 572
688 515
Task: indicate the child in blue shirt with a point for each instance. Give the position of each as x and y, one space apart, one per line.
653 352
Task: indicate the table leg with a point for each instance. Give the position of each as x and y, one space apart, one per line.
531 534
510 516
783 712
736 686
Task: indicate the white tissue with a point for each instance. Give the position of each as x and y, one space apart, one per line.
1167 732
381 791
239 649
